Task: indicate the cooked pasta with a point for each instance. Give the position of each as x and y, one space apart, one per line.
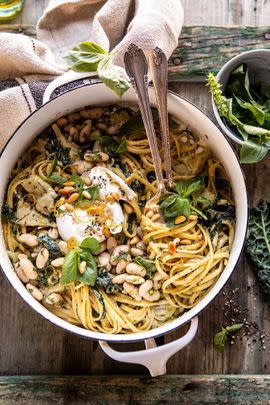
84 242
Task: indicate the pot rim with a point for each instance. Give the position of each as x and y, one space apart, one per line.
131 337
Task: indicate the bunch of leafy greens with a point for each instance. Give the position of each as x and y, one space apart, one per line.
247 110
148 265
182 202
70 269
258 243
221 337
91 57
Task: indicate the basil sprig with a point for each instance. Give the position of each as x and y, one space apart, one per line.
91 57
221 337
181 202
70 269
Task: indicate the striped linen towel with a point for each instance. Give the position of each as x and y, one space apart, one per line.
27 65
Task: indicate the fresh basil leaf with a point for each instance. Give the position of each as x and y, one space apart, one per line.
147 264
94 192
135 123
220 340
186 187
221 337
79 184
255 109
252 152
112 76
56 178
70 267
90 274
85 57
255 131
173 206
91 244
53 166
234 328
111 146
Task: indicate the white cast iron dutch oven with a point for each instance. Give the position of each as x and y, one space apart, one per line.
153 357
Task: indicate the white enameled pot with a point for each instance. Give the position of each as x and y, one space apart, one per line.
153 357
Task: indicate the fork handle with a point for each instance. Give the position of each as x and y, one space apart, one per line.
159 71
136 68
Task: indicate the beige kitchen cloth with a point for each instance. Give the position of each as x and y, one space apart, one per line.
27 65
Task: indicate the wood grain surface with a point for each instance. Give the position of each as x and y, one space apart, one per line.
31 345
112 390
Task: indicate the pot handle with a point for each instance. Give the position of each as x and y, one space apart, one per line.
153 357
68 77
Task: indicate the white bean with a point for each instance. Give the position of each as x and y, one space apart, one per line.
136 252
58 262
141 245
42 258
157 280
28 269
120 267
34 291
22 256
28 239
63 247
131 290
120 279
104 259
135 269
135 279
145 287
118 251
21 274
134 240
53 233
151 296
55 299
103 246
139 232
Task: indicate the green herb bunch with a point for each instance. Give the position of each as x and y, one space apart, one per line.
183 200
91 57
89 248
246 109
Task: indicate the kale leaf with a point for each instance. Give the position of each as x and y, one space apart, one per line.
8 213
105 281
62 154
216 215
51 245
258 243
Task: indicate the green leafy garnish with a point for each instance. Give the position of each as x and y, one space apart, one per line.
61 153
181 202
147 264
111 146
246 111
258 243
221 337
94 192
70 269
135 123
51 245
91 57
113 76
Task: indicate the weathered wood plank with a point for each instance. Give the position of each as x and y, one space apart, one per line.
200 49
191 390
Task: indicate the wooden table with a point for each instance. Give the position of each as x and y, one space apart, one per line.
29 345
